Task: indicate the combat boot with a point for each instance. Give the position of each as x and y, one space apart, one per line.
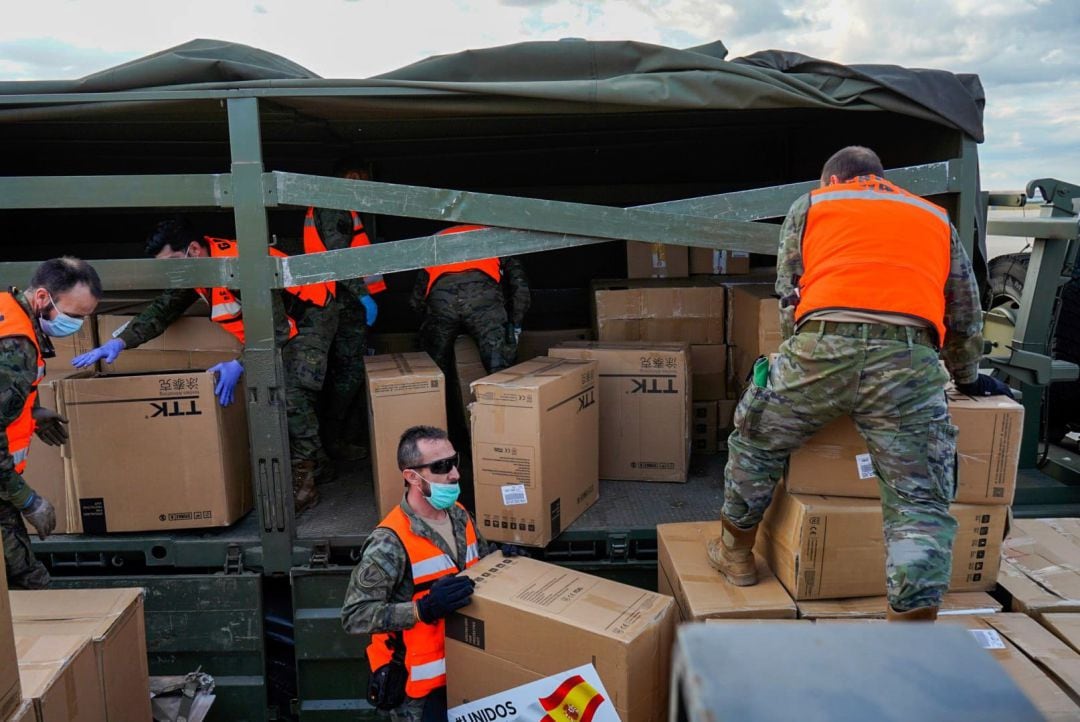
305 495
732 554
918 614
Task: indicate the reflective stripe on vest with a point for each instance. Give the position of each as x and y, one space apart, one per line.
869 245
424 643
490 266
225 308
15 322
313 243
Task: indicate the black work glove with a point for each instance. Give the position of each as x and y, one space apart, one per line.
985 386
512 550
446 595
49 426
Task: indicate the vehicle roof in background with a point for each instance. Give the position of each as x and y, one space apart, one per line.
534 78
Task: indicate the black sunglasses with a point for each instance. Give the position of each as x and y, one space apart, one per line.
442 466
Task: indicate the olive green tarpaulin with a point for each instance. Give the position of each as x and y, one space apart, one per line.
566 76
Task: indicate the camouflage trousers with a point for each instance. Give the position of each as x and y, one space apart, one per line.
424 709
24 571
304 359
345 371
469 302
894 391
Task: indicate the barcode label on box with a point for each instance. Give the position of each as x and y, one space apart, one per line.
865 466
124 325
514 495
987 638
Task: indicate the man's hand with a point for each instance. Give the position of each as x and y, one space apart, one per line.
228 374
371 309
446 595
49 426
41 515
985 385
513 333
107 352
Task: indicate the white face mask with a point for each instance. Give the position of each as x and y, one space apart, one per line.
61 326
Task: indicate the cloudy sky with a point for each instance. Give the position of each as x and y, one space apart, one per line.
1025 51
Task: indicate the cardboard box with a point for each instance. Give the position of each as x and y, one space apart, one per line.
535 448
954 603
725 415
828 547
709 364
467 368
404 390
638 312
529 620
753 323
1065 627
10 691
1043 667
25 712
382 344
835 461
656 260
645 413
704 432
701 592
536 343
59 366
189 342
59 673
113 621
714 262
1039 565
48 469
188 453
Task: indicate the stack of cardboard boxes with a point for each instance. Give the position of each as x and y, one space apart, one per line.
73 655
659 260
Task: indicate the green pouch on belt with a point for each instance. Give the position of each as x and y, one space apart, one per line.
761 371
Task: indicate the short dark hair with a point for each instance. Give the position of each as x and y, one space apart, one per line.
851 162
59 275
176 233
350 162
408 452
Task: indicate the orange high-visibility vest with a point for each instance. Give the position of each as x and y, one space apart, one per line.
15 322
869 245
313 243
425 643
490 266
225 307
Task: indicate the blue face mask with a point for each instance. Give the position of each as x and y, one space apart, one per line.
61 326
443 496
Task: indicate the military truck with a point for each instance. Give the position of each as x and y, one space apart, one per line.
566 150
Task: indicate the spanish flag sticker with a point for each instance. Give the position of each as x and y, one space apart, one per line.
575 700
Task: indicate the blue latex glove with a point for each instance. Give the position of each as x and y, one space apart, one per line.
228 374
512 550
107 351
985 385
371 310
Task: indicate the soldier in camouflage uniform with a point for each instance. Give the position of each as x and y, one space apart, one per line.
380 596
62 293
854 350
469 297
302 329
330 229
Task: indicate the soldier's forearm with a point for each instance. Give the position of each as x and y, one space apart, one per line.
374 617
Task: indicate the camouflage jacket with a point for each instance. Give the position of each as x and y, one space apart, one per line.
379 597
171 304
335 228
18 371
515 285
963 313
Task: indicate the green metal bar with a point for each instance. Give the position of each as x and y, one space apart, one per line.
525 213
131 274
1061 229
279 90
116 191
967 180
262 361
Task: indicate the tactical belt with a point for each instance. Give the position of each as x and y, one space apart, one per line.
875 331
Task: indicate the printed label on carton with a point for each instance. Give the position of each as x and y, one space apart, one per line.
556 592
400 387
503 464
465 629
865 466
514 495
987 638
513 523
178 385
